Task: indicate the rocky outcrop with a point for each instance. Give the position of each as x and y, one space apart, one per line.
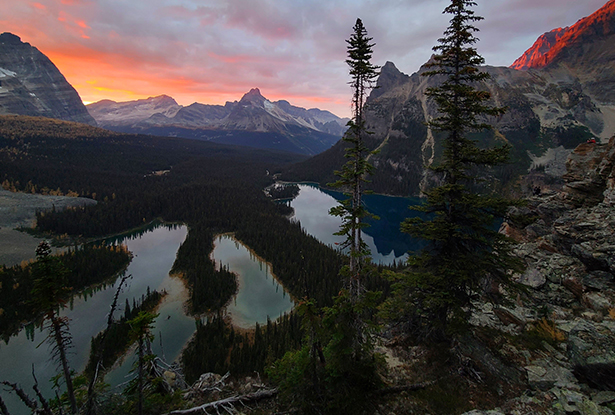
590 174
568 305
30 84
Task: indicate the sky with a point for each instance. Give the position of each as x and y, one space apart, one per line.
213 51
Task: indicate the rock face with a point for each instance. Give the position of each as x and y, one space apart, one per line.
591 174
569 301
293 128
30 84
564 44
544 43
552 107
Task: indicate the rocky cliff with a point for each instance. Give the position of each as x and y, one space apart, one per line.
568 302
551 108
564 44
542 45
30 84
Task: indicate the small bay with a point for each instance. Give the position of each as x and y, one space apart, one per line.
260 295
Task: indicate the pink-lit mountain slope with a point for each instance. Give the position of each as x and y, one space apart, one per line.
593 32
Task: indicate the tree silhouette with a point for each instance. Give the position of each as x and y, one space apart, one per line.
49 293
353 173
434 295
140 330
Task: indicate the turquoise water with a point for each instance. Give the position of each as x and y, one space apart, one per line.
384 238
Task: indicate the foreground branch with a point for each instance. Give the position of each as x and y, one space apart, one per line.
22 395
3 409
228 403
41 398
406 388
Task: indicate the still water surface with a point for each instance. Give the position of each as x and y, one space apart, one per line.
154 252
383 237
260 296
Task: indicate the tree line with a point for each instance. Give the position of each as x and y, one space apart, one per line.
87 265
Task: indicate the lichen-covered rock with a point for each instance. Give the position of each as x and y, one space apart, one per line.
590 342
544 374
590 173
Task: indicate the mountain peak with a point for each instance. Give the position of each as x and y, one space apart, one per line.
389 78
542 45
163 99
10 38
33 85
553 45
253 96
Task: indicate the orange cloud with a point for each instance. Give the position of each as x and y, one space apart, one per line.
230 59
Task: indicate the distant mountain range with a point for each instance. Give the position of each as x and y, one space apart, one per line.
560 93
30 84
253 121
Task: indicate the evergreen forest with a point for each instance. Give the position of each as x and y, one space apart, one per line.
346 346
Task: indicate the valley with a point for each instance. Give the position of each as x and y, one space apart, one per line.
419 261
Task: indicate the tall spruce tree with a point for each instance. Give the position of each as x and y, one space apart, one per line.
354 171
336 369
140 331
434 296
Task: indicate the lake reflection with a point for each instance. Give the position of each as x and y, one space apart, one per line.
154 253
383 237
260 296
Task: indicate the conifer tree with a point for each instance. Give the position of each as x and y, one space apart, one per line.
354 172
140 331
434 295
49 293
336 368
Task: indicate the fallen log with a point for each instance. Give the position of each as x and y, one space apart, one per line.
405 388
228 403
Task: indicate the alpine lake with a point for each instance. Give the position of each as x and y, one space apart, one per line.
260 296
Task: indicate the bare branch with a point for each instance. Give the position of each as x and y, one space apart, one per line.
228 402
22 395
41 398
90 400
3 409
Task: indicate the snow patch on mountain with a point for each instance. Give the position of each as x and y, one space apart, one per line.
5 73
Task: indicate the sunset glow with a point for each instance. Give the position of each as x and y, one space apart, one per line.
213 51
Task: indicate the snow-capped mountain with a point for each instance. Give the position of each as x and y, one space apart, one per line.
245 122
128 113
